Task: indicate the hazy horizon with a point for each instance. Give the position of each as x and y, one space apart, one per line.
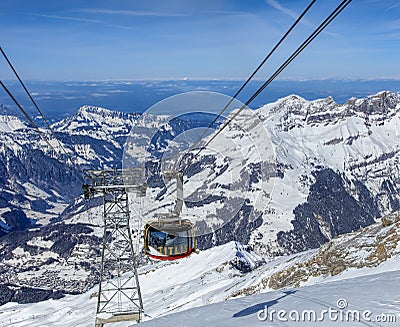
60 99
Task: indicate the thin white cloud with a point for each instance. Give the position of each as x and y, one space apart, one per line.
130 12
84 20
275 4
222 12
389 25
394 6
282 9
121 27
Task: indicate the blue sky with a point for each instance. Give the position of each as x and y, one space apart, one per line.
222 39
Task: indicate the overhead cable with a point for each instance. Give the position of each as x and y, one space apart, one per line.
316 32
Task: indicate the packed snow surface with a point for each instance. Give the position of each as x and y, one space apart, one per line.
372 300
202 283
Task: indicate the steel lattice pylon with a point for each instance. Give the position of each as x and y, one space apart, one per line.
119 293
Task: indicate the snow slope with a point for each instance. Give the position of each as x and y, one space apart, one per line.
375 297
378 293
10 124
206 280
199 283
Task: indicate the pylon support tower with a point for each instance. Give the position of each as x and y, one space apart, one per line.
119 296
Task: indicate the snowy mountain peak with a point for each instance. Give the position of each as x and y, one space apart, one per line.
90 112
294 111
93 112
97 122
10 124
99 114
296 106
329 157
380 103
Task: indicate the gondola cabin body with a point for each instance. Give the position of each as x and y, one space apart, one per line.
167 239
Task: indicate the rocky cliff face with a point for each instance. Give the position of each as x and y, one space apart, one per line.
340 167
368 247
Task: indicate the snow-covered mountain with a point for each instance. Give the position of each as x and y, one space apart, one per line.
341 165
335 170
229 284
35 182
35 185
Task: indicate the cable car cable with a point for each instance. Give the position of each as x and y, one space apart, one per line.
26 115
32 123
31 98
155 239
320 28
316 32
251 77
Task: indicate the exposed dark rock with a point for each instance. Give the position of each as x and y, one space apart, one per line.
40 205
328 204
238 228
32 295
16 219
6 294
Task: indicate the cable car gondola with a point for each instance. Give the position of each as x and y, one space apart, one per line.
169 237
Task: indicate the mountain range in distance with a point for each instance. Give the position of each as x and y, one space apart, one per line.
59 99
